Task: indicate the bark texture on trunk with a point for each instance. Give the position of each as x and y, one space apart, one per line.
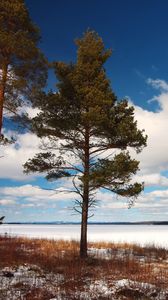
83 241
2 92
85 204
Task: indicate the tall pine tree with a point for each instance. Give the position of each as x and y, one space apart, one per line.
86 117
23 68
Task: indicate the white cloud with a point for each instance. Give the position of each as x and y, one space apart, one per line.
34 195
28 205
7 202
162 194
158 84
109 207
148 206
154 179
32 112
15 155
154 157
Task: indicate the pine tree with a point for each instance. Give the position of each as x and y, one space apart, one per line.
85 115
23 68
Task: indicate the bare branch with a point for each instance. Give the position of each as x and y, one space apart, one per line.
106 147
75 186
90 216
78 211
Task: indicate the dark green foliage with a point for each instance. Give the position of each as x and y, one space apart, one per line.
115 175
23 66
84 122
47 162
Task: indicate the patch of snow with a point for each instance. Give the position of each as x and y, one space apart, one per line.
16 281
143 288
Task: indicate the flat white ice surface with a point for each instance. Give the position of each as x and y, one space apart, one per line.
140 234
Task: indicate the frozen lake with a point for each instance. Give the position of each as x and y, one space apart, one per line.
140 234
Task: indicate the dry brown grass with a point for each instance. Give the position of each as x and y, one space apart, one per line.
142 264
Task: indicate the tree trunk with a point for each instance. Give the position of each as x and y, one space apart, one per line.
83 241
2 92
85 204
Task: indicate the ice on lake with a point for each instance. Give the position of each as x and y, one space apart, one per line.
140 234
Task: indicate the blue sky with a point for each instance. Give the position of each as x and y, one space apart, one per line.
137 33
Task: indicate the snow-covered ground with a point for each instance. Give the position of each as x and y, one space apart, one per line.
140 234
16 282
